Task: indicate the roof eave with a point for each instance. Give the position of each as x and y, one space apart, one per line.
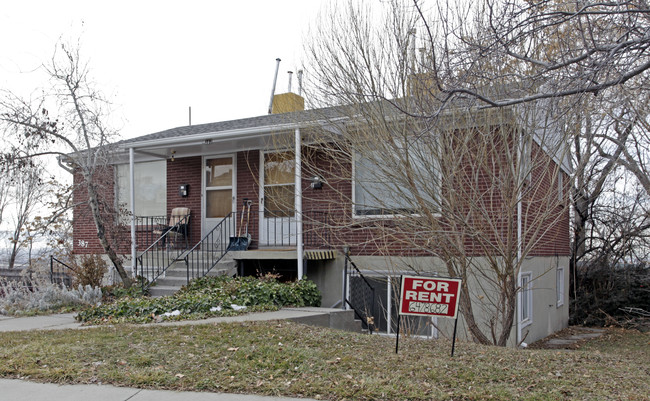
212 135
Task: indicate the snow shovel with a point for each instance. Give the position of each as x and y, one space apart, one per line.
240 243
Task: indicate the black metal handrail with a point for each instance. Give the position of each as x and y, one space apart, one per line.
280 231
163 252
64 278
363 303
203 256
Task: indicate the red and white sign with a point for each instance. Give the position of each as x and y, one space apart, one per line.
429 296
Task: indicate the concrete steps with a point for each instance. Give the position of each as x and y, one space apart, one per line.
338 319
176 276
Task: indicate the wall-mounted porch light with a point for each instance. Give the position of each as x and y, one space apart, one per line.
173 153
316 182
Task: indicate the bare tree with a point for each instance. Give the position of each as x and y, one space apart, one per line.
28 192
554 48
584 64
475 188
77 135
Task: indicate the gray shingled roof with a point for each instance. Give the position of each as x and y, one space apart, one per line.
305 116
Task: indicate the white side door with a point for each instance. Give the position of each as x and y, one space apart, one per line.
219 178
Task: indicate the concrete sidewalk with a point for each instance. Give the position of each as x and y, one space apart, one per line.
24 390
48 322
308 315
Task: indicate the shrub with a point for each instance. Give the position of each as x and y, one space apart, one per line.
208 296
90 271
604 293
20 299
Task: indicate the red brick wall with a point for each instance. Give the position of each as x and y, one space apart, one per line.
180 171
366 237
546 216
186 170
248 168
85 239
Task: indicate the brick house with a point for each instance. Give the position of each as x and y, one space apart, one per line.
276 163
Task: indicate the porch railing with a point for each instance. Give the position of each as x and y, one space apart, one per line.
205 255
59 276
360 295
163 252
279 230
274 231
144 230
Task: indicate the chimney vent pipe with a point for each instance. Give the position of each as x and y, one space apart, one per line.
290 75
275 80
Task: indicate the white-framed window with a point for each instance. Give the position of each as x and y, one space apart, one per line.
380 187
279 184
525 299
559 283
150 188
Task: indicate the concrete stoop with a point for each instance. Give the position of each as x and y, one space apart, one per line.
570 341
176 276
338 319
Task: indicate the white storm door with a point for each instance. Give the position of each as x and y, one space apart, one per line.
218 194
277 197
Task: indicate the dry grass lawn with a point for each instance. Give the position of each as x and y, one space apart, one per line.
281 358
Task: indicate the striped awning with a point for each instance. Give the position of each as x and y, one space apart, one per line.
320 255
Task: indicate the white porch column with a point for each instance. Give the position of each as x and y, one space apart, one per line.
298 205
132 197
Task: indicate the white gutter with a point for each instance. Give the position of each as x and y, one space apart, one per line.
132 196
298 204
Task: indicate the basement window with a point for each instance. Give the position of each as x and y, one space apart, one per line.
525 299
559 282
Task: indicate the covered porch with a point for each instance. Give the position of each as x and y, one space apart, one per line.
236 185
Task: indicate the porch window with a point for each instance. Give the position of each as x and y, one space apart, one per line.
150 188
279 184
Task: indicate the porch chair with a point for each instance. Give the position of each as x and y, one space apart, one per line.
178 233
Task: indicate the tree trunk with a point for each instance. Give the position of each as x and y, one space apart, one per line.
14 252
509 315
101 234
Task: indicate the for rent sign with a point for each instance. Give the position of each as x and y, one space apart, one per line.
429 296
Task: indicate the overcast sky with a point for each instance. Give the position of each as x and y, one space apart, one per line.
154 59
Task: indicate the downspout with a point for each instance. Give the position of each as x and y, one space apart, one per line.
522 177
132 197
298 205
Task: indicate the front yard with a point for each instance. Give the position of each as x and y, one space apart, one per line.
281 358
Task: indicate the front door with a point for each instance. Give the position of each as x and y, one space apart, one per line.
218 192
